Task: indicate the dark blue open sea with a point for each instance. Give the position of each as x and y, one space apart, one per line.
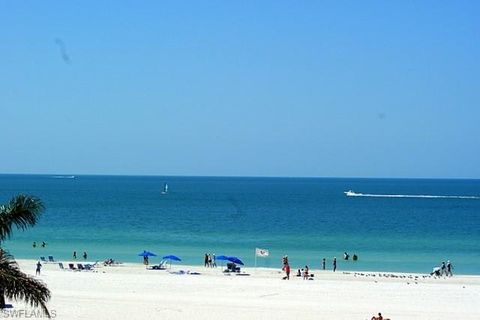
307 219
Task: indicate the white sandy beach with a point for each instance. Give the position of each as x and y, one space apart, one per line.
130 291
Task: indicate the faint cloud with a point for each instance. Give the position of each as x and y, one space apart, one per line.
381 115
63 50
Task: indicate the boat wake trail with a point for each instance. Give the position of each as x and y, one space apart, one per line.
355 194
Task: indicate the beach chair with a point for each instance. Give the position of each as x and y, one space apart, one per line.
71 266
229 267
89 267
436 272
43 259
232 267
50 259
161 266
80 267
61 266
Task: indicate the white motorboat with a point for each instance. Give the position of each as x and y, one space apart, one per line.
350 193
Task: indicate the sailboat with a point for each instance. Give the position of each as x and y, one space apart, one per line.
165 189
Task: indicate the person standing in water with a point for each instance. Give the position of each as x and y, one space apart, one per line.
74 254
85 255
334 264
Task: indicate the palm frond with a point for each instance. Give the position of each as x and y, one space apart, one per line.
22 211
17 285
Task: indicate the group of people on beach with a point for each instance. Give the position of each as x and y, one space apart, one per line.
445 269
43 245
304 272
210 260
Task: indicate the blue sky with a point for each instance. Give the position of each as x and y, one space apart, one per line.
271 88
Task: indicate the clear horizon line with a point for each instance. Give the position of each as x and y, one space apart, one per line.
235 176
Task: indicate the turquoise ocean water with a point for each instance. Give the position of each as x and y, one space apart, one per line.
307 219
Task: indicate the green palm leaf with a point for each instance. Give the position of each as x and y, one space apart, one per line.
22 212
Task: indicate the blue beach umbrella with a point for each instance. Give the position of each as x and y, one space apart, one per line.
146 253
222 258
235 260
172 257
231 259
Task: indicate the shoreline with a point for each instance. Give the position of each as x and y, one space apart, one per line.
259 272
140 265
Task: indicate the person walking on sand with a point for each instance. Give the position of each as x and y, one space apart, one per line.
285 260
323 263
214 261
334 264
39 267
286 268
206 260
443 269
449 268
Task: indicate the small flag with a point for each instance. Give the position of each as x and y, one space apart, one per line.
261 252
